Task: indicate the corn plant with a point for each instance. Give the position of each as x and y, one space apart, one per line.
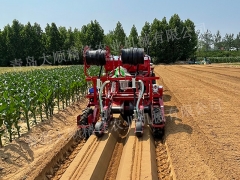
31 94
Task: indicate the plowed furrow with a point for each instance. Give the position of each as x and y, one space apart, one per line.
85 160
137 157
116 156
119 154
221 68
165 171
207 81
221 75
199 137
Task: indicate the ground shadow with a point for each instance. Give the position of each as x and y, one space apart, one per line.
174 125
166 98
14 154
170 110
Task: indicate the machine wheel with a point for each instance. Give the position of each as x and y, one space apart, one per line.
139 129
84 116
99 134
99 129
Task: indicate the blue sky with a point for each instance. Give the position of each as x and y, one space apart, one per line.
206 14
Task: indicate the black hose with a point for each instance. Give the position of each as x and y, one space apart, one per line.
132 56
96 57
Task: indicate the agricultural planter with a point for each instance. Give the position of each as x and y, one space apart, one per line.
126 87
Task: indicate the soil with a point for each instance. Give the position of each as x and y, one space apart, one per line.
201 136
202 111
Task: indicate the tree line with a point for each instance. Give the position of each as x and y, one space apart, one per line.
30 44
209 41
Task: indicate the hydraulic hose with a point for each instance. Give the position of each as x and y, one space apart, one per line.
140 96
100 95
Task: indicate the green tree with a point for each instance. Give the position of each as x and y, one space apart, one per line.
144 38
189 40
1 49
228 41
63 35
109 39
92 35
175 38
159 46
38 46
146 29
119 36
14 42
133 37
78 44
69 43
53 38
4 61
207 40
237 41
217 40
32 46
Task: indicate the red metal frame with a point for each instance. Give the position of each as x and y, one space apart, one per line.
150 98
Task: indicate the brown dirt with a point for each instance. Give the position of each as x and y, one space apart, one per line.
93 159
29 155
118 155
201 139
202 111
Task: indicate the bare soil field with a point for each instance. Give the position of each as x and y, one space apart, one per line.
202 132
201 140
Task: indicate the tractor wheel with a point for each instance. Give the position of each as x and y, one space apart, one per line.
85 114
99 129
99 134
139 129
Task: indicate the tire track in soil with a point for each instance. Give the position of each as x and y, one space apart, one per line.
116 156
86 158
136 159
162 159
139 157
60 169
57 166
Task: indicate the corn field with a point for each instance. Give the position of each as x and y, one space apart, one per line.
31 96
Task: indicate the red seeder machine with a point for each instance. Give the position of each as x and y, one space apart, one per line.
127 87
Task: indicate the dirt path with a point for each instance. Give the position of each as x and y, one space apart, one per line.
202 130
